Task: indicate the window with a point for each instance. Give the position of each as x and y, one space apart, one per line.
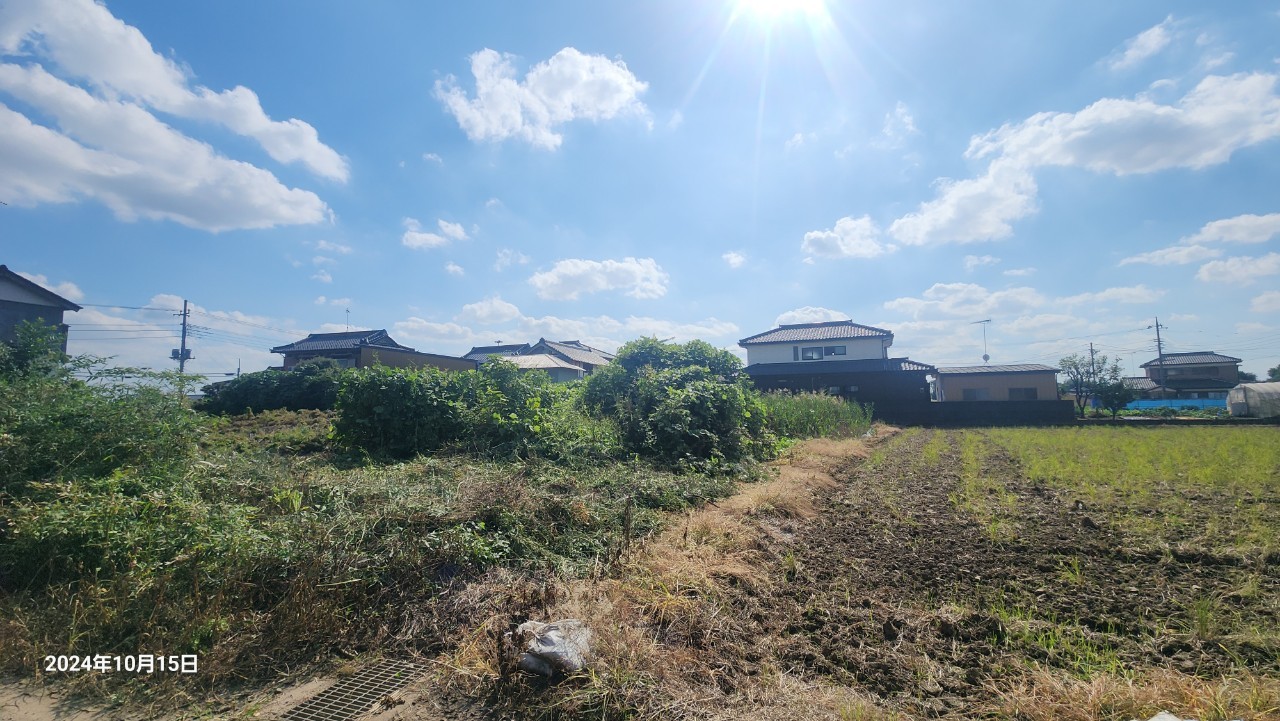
1022 394
833 350
977 394
811 354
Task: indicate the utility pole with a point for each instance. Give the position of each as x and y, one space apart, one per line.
1093 368
181 354
1160 357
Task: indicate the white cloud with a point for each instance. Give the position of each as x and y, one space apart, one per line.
898 126
639 326
322 260
569 86
124 157
850 238
809 314
971 210
322 276
797 140
1144 45
339 248
453 268
1121 136
508 257
568 279
1019 272
415 237
1246 228
968 299
973 262
1240 270
734 259
433 158
84 40
1174 255
489 311
1268 302
1130 294
66 289
454 231
493 203
322 300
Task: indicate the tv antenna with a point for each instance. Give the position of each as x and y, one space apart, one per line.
984 323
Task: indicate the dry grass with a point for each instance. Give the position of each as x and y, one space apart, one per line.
1043 695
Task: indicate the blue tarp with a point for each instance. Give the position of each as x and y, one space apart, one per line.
1178 403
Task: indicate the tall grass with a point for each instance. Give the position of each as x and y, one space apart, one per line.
813 415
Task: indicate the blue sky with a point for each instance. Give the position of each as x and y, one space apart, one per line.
465 173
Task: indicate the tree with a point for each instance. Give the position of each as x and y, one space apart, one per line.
1273 374
1082 377
1111 390
1246 377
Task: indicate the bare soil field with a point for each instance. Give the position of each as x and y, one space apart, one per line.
937 603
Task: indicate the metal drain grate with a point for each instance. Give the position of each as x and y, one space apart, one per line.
352 697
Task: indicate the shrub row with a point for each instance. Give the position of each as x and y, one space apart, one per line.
310 386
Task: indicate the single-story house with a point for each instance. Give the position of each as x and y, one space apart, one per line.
1021 382
364 348
560 370
575 352
22 301
482 353
837 357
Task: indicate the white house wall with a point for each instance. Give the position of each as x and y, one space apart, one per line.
855 349
12 292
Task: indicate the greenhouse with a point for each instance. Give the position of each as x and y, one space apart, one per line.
1256 400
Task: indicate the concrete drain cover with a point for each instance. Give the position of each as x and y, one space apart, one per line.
356 695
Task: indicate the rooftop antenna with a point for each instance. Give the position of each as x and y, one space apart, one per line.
348 319
984 323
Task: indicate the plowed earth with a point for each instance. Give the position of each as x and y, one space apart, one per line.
896 589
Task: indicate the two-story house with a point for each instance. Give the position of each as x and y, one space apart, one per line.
1198 374
837 357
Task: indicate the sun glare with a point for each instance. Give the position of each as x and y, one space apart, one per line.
771 10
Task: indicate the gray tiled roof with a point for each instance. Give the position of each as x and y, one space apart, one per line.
1194 358
483 352
1180 384
830 330
866 365
1016 368
544 361
340 341
1141 383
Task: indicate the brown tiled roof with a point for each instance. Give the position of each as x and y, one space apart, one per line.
1015 368
1193 358
829 330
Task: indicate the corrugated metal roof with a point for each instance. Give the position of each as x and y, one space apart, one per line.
1195 358
830 330
866 365
576 351
55 300
1015 368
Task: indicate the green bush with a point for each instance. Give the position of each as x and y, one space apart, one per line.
684 404
55 427
398 412
312 385
811 415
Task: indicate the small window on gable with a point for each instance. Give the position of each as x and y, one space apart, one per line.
833 350
811 353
